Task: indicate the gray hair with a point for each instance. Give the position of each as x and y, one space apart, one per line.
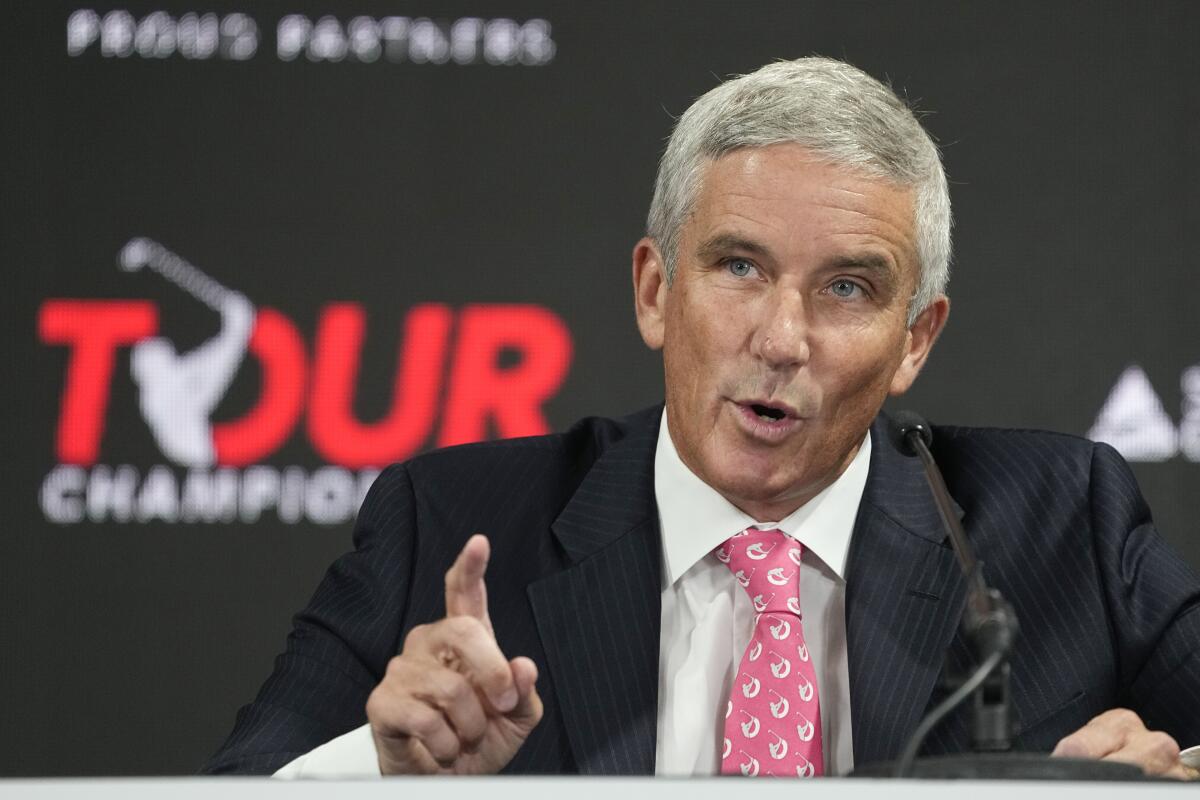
834 109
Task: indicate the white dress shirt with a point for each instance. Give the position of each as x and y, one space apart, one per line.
707 621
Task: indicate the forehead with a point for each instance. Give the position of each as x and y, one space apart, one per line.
795 203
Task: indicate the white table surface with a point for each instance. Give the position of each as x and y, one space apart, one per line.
576 789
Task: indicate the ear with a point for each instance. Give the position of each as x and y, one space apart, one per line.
919 340
649 292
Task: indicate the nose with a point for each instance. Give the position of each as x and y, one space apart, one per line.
781 337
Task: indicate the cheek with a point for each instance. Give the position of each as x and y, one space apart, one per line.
688 367
682 363
866 373
697 337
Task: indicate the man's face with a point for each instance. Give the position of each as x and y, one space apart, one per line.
785 326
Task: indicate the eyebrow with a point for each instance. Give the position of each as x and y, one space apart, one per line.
868 261
885 270
726 242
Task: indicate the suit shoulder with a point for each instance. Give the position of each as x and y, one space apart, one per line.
957 438
1015 457
1054 487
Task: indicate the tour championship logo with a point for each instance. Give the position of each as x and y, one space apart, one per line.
220 470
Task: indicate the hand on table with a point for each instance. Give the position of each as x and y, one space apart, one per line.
451 702
1120 735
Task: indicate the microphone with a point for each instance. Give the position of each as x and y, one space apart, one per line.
913 436
904 423
988 623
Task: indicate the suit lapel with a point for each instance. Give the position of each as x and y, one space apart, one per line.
599 618
904 597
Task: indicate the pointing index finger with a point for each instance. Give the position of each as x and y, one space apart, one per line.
466 594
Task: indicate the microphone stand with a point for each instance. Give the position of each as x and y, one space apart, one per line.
989 625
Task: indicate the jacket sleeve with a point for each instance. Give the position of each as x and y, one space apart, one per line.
339 645
1154 604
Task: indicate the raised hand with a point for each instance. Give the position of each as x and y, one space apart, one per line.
451 702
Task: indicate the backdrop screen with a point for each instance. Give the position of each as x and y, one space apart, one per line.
257 252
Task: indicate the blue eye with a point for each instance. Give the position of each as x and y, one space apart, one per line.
740 267
844 288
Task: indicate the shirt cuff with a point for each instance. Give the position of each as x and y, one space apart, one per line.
351 755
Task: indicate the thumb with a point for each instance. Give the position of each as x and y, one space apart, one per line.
528 710
466 594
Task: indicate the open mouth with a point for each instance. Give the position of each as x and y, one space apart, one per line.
767 421
766 412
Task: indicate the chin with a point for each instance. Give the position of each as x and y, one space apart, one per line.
756 487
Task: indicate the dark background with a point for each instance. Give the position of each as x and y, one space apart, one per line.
1070 136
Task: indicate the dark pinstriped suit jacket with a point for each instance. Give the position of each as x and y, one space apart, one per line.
1109 615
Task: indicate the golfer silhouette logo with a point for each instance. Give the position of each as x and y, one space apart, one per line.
177 392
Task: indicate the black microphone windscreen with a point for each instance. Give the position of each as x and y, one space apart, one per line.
904 423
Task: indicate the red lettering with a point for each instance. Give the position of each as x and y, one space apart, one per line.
421 354
279 349
93 329
480 388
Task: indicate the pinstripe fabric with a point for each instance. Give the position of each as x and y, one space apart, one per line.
1107 611
575 546
904 596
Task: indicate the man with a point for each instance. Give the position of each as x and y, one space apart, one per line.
645 577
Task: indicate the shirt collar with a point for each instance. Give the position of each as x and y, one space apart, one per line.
695 518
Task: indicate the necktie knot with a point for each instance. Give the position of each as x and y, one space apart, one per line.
767 566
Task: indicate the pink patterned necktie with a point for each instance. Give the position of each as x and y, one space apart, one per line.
773 718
